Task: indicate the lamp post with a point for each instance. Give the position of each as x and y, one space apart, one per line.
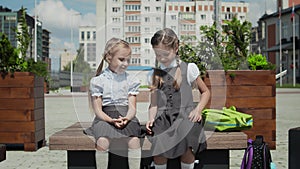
35 32
71 67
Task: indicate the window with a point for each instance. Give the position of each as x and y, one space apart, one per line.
147 30
173 17
116 20
147 8
135 60
88 36
173 28
158 19
132 7
82 35
116 30
133 39
203 17
132 18
147 51
147 61
147 19
158 9
94 35
136 50
134 28
116 9
147 40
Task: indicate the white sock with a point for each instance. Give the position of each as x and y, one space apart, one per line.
101 159
134 158
163 166
187 166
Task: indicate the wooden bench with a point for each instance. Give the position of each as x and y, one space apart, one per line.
81 148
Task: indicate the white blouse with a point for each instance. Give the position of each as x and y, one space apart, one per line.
192 71
114 88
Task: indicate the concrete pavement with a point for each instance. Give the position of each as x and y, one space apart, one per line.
63 109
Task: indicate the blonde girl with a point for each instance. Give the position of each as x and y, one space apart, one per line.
113 98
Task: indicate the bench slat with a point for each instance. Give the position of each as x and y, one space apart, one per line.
73 138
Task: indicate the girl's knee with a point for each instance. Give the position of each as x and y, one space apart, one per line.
102 144
188 157
160 160
134 143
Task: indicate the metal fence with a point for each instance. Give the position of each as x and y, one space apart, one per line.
63 79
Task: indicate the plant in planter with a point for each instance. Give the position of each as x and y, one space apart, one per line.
225 59
259 62
22 118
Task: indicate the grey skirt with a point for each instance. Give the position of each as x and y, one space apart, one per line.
174 134
102 128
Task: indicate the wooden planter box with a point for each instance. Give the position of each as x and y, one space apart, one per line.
22 119
251 92
2 152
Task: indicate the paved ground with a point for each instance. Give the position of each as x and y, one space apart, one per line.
62 109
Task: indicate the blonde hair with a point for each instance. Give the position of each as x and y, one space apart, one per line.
169 39
111 47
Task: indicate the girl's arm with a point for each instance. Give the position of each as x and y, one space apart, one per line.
152 112
196 114
97 107
131 108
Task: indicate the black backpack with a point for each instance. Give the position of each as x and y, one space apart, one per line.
257 155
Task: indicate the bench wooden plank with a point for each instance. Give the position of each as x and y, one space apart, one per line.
73 138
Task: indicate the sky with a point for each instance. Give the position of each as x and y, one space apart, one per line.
63 17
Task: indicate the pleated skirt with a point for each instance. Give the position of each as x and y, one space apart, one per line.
102 128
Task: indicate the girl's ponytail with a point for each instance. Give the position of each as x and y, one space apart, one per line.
100 67
177 77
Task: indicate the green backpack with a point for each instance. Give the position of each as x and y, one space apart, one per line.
227 119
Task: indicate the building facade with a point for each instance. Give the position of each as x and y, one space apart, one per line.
9 24
276 32
87 43
137 20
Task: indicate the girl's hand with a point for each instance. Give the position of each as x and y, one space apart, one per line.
149 126
124 119
118 123
195 116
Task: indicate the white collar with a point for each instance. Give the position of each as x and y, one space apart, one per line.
173 64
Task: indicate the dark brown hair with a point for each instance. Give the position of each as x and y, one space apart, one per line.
168 38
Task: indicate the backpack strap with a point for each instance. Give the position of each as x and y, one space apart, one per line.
267 156
248 156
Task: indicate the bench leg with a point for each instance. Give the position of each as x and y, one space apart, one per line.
81 159
86 160
214 159
209 159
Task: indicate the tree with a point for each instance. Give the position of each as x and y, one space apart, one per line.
23 35
231 45
81 66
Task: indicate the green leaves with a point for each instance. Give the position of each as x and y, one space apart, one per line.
232 44
14 59
259 62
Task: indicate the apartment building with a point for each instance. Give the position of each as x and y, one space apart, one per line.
9 23
87 43
137 20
